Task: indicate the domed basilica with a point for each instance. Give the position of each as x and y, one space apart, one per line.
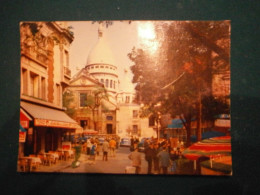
102 101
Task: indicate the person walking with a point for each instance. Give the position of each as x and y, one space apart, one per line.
105 148
149 155
112 146
93 152
89 145
135 156
164 159
156 158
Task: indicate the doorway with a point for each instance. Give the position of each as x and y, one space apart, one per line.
109 128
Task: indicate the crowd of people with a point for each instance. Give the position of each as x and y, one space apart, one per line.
92 147
161 155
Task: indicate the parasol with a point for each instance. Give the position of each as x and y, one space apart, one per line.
213 147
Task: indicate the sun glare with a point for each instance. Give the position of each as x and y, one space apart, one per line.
147 36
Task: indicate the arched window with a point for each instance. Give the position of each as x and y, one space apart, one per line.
106 82
111 84
102 81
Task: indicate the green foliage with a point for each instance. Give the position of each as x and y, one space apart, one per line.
186 49
67 100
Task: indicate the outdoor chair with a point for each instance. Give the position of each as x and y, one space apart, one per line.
23 164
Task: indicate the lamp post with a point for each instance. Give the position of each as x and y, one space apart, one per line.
158 119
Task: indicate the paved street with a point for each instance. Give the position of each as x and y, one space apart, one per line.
114 165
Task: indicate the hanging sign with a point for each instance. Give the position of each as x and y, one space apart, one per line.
22 136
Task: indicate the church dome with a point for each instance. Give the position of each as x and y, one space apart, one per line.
101 53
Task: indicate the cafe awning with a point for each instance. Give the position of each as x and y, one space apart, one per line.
49 117
24 119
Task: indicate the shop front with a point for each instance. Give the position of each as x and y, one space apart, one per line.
46 130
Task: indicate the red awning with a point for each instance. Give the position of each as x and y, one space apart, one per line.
24 119
49 117
209 147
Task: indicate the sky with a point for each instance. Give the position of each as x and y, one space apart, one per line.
121 37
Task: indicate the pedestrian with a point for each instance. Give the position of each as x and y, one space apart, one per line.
132 144
149 154
164 159
112 146
174 157
93 152
98 146
135 156
156 158
89 145
105 148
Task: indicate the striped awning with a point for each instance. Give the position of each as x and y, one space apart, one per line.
210 148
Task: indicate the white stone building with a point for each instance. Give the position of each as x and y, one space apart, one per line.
120 115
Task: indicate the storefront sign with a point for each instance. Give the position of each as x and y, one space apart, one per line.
59 124
66 145
22 136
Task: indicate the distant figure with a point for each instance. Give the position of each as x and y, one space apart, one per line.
149 154
112 146
135 156
132 144
105 149
93 152
89 145
164 159
156 158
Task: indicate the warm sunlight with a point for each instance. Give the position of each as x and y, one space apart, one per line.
147 36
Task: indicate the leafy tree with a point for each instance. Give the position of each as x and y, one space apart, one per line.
179 75
94 101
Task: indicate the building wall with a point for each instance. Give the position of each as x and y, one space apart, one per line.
42 77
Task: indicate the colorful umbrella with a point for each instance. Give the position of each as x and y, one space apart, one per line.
213 147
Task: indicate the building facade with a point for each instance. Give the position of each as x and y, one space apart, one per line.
45 73
116 113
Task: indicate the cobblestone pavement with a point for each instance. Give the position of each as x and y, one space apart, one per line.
114 165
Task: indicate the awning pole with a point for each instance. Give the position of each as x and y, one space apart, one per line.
195 165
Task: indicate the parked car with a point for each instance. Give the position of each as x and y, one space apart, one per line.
125 142
101 140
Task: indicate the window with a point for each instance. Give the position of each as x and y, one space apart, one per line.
58 96
114 84
101 66
24 81
135 129
96 66
106 82
127 99
43 88
109 118
66 58
83 99
102 81
111 84
92 67
135 113
34 85
84 124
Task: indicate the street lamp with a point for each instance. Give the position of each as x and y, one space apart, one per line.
158 119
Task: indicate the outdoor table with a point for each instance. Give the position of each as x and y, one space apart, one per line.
51 157
32 161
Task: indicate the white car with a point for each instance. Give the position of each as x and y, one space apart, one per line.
125 142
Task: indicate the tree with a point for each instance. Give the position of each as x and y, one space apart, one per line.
183 67
94 101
